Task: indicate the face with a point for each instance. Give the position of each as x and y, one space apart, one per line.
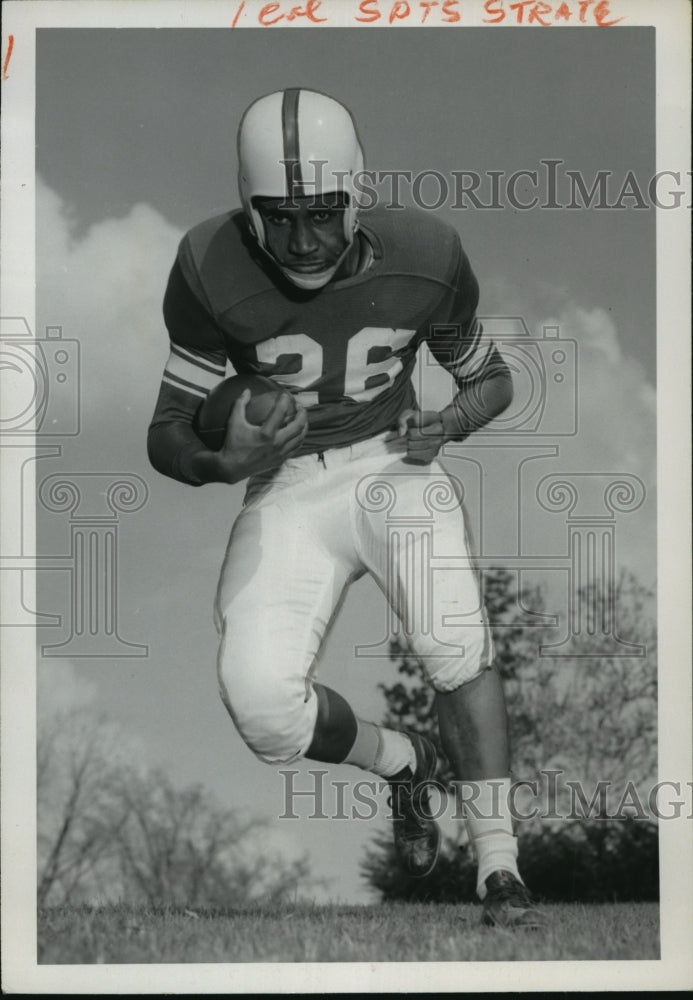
304 235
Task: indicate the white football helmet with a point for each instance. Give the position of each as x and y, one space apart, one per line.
298 142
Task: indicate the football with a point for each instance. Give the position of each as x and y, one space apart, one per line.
214 412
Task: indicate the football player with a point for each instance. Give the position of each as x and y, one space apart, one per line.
333 304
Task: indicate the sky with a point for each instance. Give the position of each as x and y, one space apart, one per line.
135 136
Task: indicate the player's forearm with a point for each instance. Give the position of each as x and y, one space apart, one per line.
478 403
176 451
209 466
167 441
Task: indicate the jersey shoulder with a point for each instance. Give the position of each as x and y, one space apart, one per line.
414 242
217 258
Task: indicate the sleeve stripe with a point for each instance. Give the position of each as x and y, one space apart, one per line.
477 363
475 337
192 374
456 365
480 358
467 358
208 366
179 383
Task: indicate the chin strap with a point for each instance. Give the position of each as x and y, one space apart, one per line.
310 281
314 281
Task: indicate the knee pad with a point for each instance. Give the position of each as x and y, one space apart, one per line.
447 672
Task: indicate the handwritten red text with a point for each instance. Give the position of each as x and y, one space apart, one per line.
281 13
8 56
446 11
543 13
273 13
546 14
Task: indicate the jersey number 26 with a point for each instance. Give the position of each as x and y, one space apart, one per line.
371 366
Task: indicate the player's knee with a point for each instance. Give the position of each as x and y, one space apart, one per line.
275 720
447 673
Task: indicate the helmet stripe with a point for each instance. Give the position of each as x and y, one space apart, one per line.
292 155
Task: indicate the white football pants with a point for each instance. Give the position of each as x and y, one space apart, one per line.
306 532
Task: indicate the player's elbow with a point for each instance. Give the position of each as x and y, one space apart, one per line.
152 450
498 385
157 450
498 388
506 389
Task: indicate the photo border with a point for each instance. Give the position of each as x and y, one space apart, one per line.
21 973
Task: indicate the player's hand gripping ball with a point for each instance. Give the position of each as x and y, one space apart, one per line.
213 415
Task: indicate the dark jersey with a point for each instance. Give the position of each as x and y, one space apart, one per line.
346 351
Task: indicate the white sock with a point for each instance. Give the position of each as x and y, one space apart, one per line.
385 752
490 828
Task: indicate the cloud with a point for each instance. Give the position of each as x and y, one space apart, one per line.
61 687
616 428
616 417
105 286
616 402
616 399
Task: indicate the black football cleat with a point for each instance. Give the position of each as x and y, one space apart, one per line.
508 904
417 837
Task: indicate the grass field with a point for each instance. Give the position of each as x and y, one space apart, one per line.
402 932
